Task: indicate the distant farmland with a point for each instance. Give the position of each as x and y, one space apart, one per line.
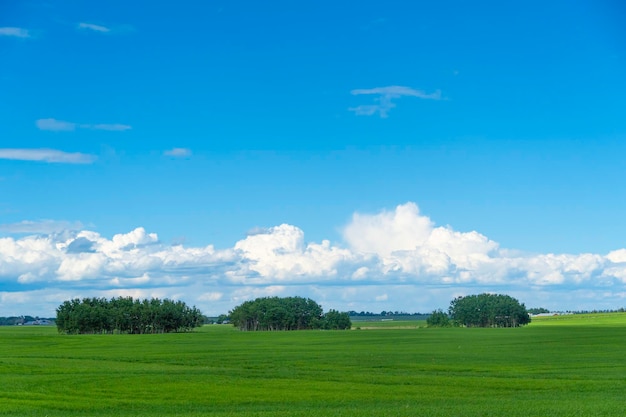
556 366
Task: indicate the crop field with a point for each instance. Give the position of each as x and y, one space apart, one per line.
557 366
389 324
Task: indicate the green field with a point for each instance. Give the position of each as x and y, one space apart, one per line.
561 366
389 324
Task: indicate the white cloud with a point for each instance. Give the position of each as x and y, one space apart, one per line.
389 231
178 152
384 98
617 256
63 126
371 109
41 226
117 29
15 32
55 125
211 296
115 127
46 155
250 293
396 91
395 259
95 28
281 253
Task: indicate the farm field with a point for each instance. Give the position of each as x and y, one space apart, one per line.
557 366
388 324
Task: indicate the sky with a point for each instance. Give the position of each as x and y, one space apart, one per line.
369 155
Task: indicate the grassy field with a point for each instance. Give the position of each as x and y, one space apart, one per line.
389 324
561 366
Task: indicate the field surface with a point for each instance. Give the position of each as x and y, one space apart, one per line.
561 366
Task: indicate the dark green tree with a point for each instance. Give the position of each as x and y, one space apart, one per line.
538 310
335 320
438 318
488 310
125 315
221 319
287 313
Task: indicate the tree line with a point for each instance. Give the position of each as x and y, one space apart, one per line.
483 310
538 310
126 315
286 313
383 313
19 320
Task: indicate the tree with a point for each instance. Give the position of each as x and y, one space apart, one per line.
488 310
438 319
125 315
335 320
287 313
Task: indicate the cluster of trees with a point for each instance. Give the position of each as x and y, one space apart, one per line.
126 315
538 310
15 321
353 313
488 310
619 310
438 319
483 310
287 313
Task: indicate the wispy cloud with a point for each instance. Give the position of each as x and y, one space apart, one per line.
15 32
385 97
116 29
95 28
41 226
178 152
46 155
61 125
55 125
117 127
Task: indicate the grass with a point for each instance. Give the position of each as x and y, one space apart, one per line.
590 319
554 367
389 324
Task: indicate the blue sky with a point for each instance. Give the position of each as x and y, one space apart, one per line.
370 156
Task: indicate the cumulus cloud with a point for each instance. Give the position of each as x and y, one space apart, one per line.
80 245
55 125
15 32
281 253
388 231
396 259
384 99
409 246
46 155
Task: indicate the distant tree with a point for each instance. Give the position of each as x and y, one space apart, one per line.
125 315
438 319
353 313
334 320
287 313
488 310
539 310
